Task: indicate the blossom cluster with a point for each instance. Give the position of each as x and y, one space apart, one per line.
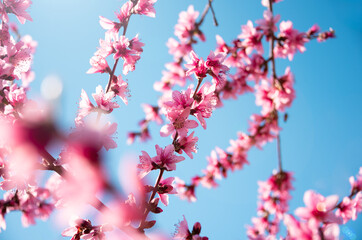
79 176
273 93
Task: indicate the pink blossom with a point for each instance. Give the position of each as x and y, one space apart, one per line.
166 158
205 102
292 41
268 23
345 210
99 65
164 188
123 50
85 107
214 168
145 7
186 27
16 97
252 38
263 128
216 66
208 180
19 56
301 230
146 164
264 96
104 100
356 183
179 123
125 12
357 205
4 31
313 30
196 66
85 176
238 150
135 43
121 46
83 229
178 49
325 35
105 46
20 173
180 100
185 191
30 43
18 8
254 68
221 45
27 78
187 144
120 88
108 130
175 74
279 96
152 113
108 24
318 207
183 232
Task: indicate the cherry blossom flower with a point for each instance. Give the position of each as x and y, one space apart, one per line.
19 56
179 123
178 49
187 144
152 113
109 25
175 74
125 12
345 210
186 27
180 100
99 65
196 66
293 40
85 107
166 158
185 191
357 205
268 23
83 229
145 7
356 183
318 207
239 148
18 8
252 38
127 51
16 97
120 88
108 130
183 232
222 47
146 164
164 188
104 100
216 66
205 102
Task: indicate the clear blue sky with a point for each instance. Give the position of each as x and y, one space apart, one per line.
321 142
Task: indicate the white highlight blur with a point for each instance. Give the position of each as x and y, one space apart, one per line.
51 88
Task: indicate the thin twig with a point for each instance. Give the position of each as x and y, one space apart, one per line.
275 79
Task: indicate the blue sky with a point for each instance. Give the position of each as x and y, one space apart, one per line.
321 142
